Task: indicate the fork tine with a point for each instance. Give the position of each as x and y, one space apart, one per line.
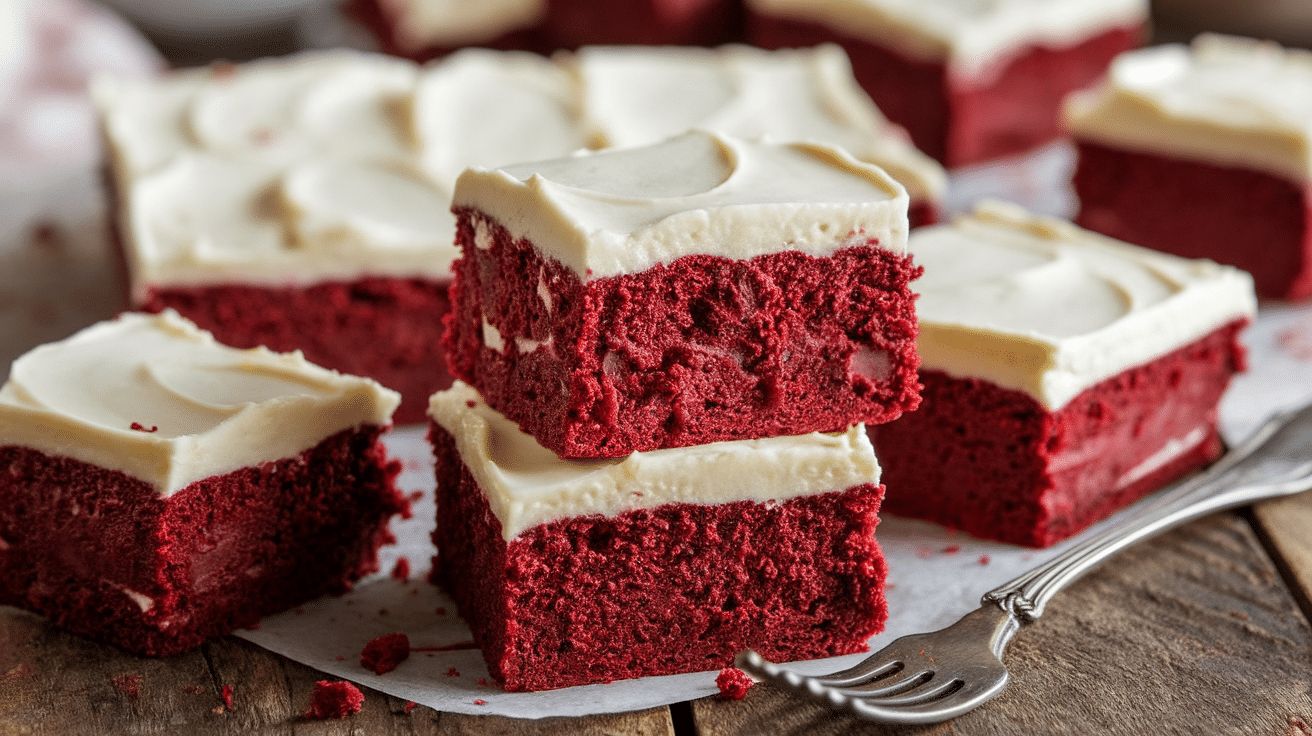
928 690
904 681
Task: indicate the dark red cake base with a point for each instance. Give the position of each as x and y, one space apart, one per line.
700 350
678 588
1009 109
920 214
995 463
1259 222
217 555
388 329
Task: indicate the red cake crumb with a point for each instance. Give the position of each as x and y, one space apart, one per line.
482 682
138 426
193 689
129 685
983 559
995 463
340 658
1012 107
16 672
334 700
453 672
676 588
952 549
480 701
733 683
1256 221
383 654
699 350
409 706
227 696
401 570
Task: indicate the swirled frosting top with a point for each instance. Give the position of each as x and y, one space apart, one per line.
316 167
419 24
1041 306
968 35
156 398
618 211
527 484
1225 100
637 95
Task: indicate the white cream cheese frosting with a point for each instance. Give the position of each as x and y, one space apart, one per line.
200 408
527 484
969 36
638 95
1041 306
419 24
618 211
1224 100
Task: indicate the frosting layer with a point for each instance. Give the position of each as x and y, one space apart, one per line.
1041 306
1225 100
624 210
967 35
420 24
527 485
200 408
636 95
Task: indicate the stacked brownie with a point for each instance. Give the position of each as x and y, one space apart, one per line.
658 458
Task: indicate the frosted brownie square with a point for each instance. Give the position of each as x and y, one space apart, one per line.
635 96
162 489
1065 374
970 81
573 572
701 289
303 203
1202 151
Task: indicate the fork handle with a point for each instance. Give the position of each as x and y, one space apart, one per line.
1275 461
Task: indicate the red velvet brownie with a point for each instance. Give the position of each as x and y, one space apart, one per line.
586 571
639 95
1065 375
303 203
1202 152
428 29
970 81
163 489
574 23
701 289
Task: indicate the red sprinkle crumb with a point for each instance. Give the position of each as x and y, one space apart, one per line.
441 610
453 672
401 570
415 496
482 681
983 559
733 683
952 549
227 696
409 706
480 701
138 426
383 654
129 685
471 403
334 700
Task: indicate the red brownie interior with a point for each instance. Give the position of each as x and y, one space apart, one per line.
995 463
922 213
102 554
383 26
700 350
678 588
1009 109
574 23
389 329
1256 221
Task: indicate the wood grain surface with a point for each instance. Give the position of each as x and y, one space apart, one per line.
1194 632
1285 525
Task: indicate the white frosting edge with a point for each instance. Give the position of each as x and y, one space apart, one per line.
762 470
1053 373
260 432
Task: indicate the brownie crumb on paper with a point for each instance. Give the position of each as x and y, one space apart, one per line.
334 700
383 654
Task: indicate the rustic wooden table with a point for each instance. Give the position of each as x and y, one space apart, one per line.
1203 630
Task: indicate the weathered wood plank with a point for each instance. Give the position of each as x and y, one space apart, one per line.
1285 524
1191 633
55 683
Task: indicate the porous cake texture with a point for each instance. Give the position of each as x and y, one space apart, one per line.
1203 152
1065 375
970 81
701 289
587 571
163 489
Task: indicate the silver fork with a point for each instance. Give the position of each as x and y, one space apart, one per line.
927 678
